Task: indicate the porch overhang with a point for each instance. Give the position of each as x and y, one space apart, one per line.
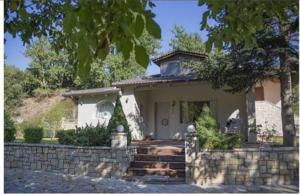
94 91
155 81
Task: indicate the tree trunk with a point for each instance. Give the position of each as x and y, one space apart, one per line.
287 114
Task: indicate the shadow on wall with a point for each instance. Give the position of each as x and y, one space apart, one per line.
244 166
137 132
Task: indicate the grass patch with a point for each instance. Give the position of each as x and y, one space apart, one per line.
278 140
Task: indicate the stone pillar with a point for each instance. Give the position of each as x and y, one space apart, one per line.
119 140
191 150
251 118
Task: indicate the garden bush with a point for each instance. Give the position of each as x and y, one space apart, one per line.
66 137
9 128
118 118
85 136
33 134
209 135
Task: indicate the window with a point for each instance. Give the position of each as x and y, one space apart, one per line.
190 110
172 68
259 94
104 111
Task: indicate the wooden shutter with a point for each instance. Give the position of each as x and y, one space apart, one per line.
259 94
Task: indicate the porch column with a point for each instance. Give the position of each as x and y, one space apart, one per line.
251 118
132 113
119 140
191 150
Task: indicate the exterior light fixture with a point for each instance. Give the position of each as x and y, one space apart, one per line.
120 128
191 128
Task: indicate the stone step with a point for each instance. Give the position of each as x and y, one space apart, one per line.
159 158
155 164
165 150
154 179
155 171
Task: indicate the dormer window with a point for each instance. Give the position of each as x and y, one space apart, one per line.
171 64
170 68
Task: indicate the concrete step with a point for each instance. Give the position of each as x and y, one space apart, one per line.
155 179
159 158
155 171
161 150
155 164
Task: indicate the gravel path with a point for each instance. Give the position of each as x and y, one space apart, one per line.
17 181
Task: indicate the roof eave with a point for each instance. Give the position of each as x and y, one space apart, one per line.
76 93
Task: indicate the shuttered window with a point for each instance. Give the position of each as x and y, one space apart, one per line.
259 94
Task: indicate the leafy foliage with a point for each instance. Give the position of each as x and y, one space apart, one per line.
187 42
66 137
85 136
115 67
209 135
9 128
118 118
86 29
262 36
33 134
49 68
236 21
13 87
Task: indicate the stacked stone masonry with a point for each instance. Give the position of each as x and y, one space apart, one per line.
264 166
91 161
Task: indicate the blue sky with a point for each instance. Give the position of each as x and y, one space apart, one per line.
168 13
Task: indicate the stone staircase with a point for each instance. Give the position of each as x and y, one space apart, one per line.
158 164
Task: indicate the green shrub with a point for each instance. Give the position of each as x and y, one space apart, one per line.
41 93
209 135
231 141
85 136
33 134
66 137
9 128
118 118
93 136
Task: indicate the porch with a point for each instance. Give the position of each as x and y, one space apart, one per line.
163 111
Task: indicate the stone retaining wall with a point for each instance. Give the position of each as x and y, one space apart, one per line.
243 166
92 161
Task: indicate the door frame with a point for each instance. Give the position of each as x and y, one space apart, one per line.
155 116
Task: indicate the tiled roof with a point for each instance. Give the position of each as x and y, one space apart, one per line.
94 91
155 80
167 56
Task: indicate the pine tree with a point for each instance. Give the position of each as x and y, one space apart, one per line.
118 118
206 125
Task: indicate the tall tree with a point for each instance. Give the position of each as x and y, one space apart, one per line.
50 68
13 87
267 30
115 67
185 41
86 28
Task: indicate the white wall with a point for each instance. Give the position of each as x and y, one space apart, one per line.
268 112
271 91
132 113
87 108
224 105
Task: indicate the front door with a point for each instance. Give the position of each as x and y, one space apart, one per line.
162 120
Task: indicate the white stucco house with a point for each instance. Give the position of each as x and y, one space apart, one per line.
163 105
